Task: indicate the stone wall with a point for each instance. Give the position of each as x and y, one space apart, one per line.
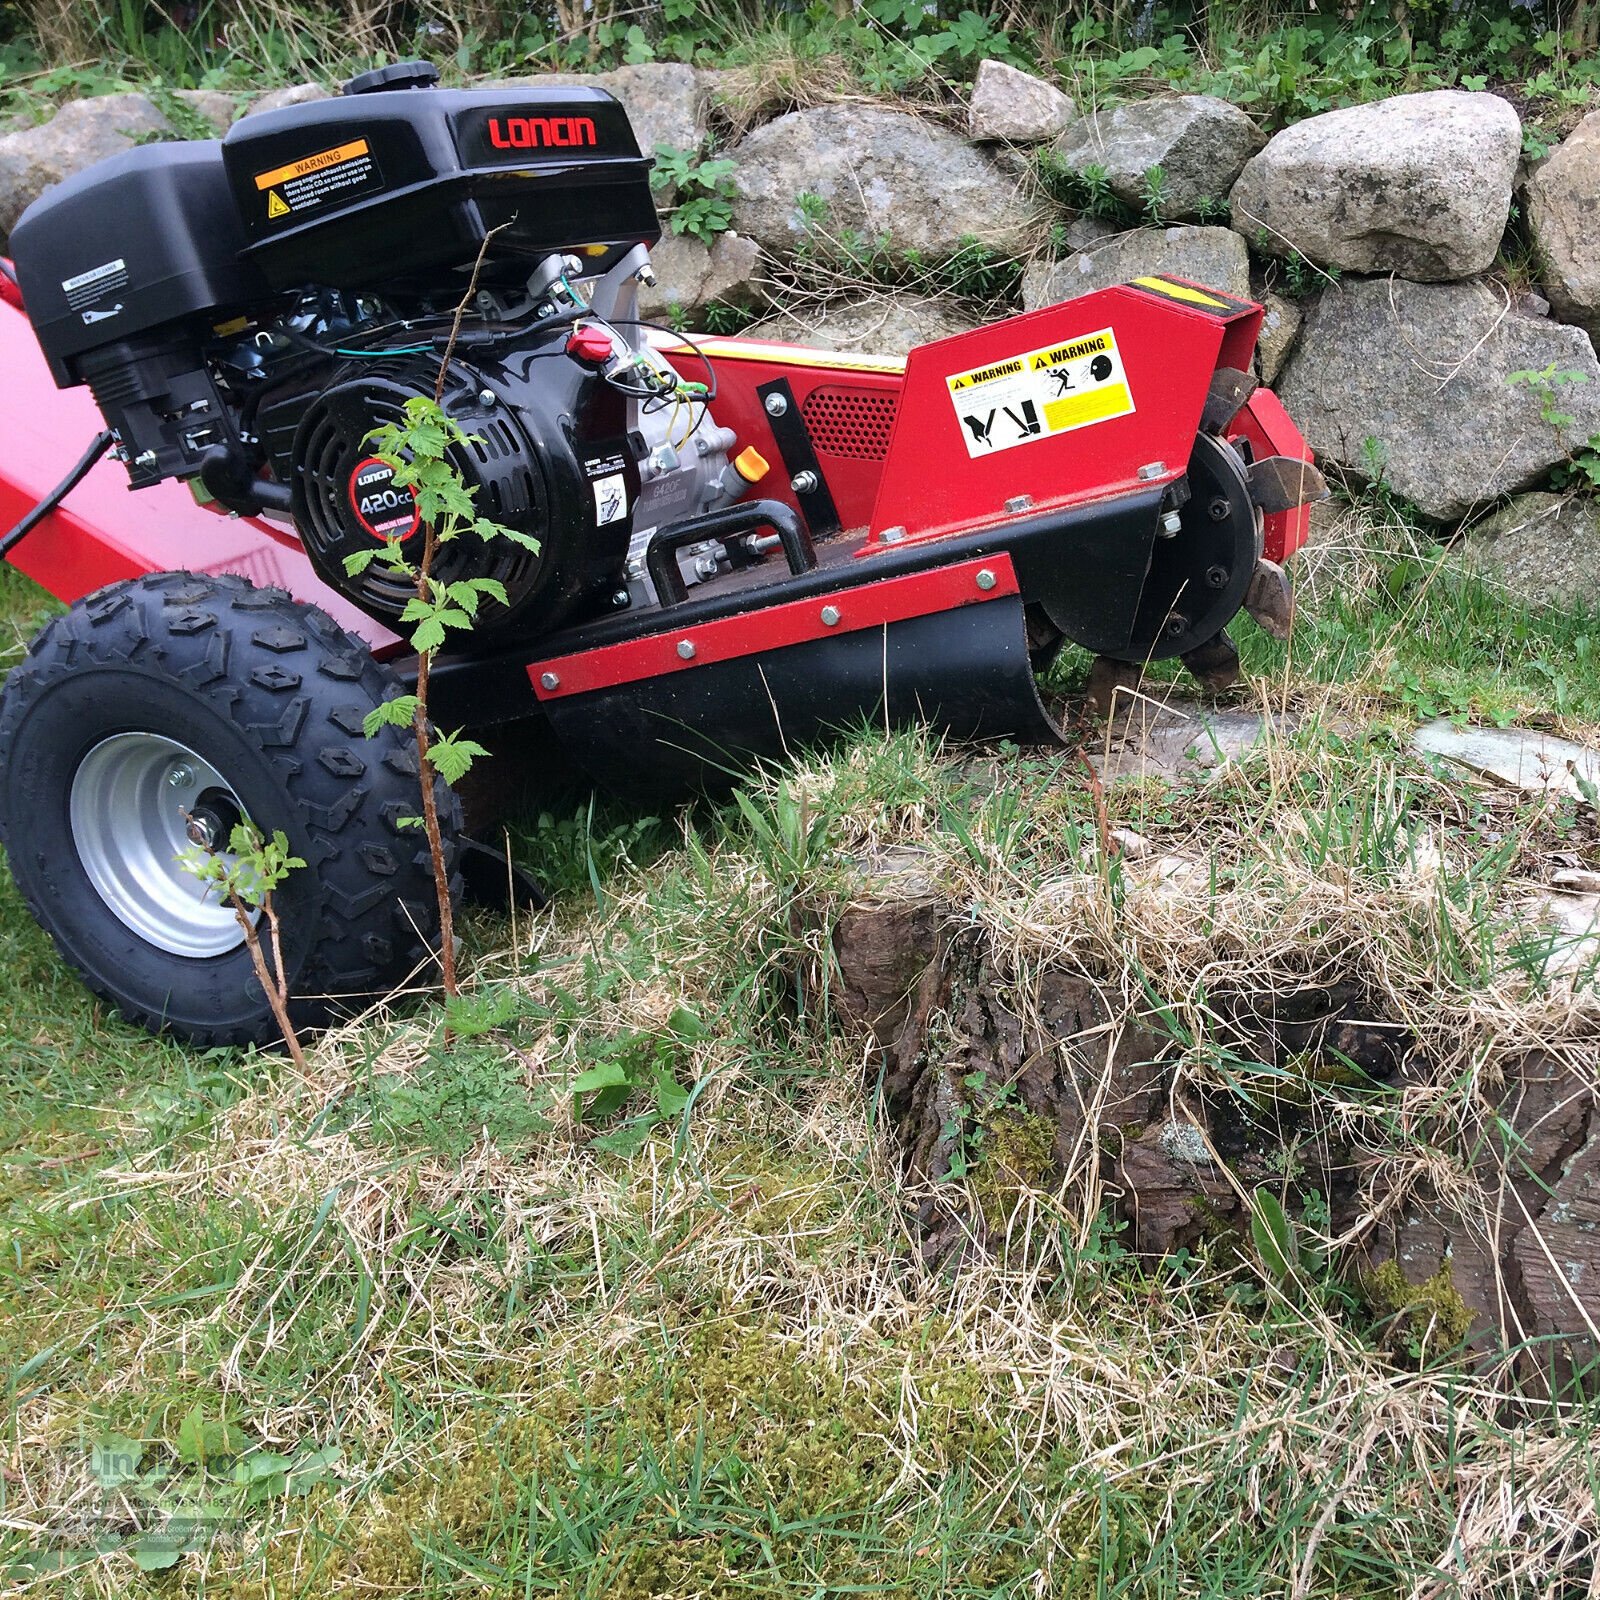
1398 352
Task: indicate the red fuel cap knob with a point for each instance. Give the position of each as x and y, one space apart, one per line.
592 346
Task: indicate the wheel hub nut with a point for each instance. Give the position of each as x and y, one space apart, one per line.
202 830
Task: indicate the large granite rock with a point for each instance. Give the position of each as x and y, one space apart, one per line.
296 94
1215 256
1419 185
1015 107
1200 144
1564 215
1418 377
1280 327
81 133
1542 549
876 173
881 324
691 275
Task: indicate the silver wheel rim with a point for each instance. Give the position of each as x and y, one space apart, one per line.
134 799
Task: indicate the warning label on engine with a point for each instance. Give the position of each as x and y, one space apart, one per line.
1041 393
313 181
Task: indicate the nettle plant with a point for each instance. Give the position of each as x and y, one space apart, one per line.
418 450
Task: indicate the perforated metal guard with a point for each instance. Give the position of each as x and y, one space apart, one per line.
847 421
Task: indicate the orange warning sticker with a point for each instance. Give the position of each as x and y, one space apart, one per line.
306 165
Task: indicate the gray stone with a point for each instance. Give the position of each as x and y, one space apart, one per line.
1086 230
690 275
881 324
220 110
1419 185
296 94
1423 372
1015 106
81 133
1171 739
1563 199
1200 144
1215 256
1280 327
1542 549
879 174
1522 758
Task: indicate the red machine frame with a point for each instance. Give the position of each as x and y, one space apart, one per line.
910 492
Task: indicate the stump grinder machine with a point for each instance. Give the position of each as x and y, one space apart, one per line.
742 545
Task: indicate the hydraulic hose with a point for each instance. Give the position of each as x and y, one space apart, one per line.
97 448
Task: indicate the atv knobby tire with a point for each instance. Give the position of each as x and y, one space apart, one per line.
270 696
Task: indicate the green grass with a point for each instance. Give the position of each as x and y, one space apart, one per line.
428 1322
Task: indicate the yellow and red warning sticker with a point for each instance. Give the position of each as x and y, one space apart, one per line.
315 179
1038 394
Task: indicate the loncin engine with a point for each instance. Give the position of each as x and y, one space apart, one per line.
247 311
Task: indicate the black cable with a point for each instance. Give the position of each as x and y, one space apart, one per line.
101 443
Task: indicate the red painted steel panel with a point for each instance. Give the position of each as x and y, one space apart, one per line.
1271 432
933 485
772 627
104 531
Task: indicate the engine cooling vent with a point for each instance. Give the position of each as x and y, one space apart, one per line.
850 422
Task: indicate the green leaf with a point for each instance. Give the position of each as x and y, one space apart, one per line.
400 712
358 562
671 1096
685 1026
155 1552
114 1460
201 1441
427 636
1273 1235
603 1075
452 756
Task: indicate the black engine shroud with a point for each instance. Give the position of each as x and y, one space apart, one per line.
247 311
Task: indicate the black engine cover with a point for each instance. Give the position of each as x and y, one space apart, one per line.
541 433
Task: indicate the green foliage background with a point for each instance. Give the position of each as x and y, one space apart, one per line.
1281 60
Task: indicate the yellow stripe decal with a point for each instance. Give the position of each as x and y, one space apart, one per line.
789 355
1182 291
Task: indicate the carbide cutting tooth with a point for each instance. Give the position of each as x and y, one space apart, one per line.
1280 483
1270 598
1229 390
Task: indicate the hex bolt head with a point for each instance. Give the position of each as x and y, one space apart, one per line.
892 535
1217 577
985 579
201 831
1020 502
804 482
548 680
686 649
621 599
181 777
1152 470
776 405
1177 623
1171 524
1218 509
830 616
